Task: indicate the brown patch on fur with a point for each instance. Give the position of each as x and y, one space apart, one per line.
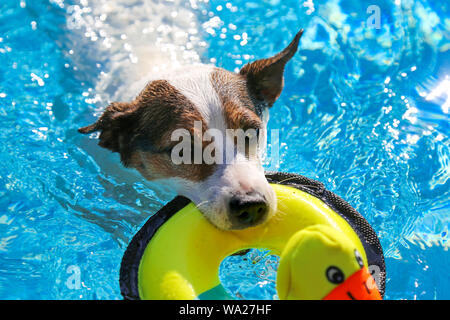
265 77
159 166
140 131
238 108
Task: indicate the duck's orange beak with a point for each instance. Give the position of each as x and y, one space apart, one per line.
359 286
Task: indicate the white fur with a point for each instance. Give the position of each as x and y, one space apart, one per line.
194 82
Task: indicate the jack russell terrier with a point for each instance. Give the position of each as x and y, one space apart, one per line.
233 194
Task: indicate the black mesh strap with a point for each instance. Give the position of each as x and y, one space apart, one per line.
130 263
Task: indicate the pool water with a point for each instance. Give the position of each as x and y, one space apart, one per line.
365 110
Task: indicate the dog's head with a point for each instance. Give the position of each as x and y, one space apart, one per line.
203 129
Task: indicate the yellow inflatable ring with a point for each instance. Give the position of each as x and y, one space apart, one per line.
327 249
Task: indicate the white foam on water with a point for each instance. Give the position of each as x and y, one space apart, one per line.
121 44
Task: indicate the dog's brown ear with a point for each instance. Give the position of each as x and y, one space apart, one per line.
265 77
115 125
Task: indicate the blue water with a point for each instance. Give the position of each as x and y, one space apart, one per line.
364 110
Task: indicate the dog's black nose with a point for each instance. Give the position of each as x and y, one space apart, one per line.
248 209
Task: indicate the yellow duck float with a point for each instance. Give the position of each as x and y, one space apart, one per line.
326 249
340 273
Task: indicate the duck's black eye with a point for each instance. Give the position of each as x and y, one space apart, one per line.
335 275
359 258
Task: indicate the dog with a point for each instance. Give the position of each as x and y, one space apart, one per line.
233 194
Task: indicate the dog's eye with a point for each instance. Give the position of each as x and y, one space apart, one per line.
182 152
167 151
251 131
